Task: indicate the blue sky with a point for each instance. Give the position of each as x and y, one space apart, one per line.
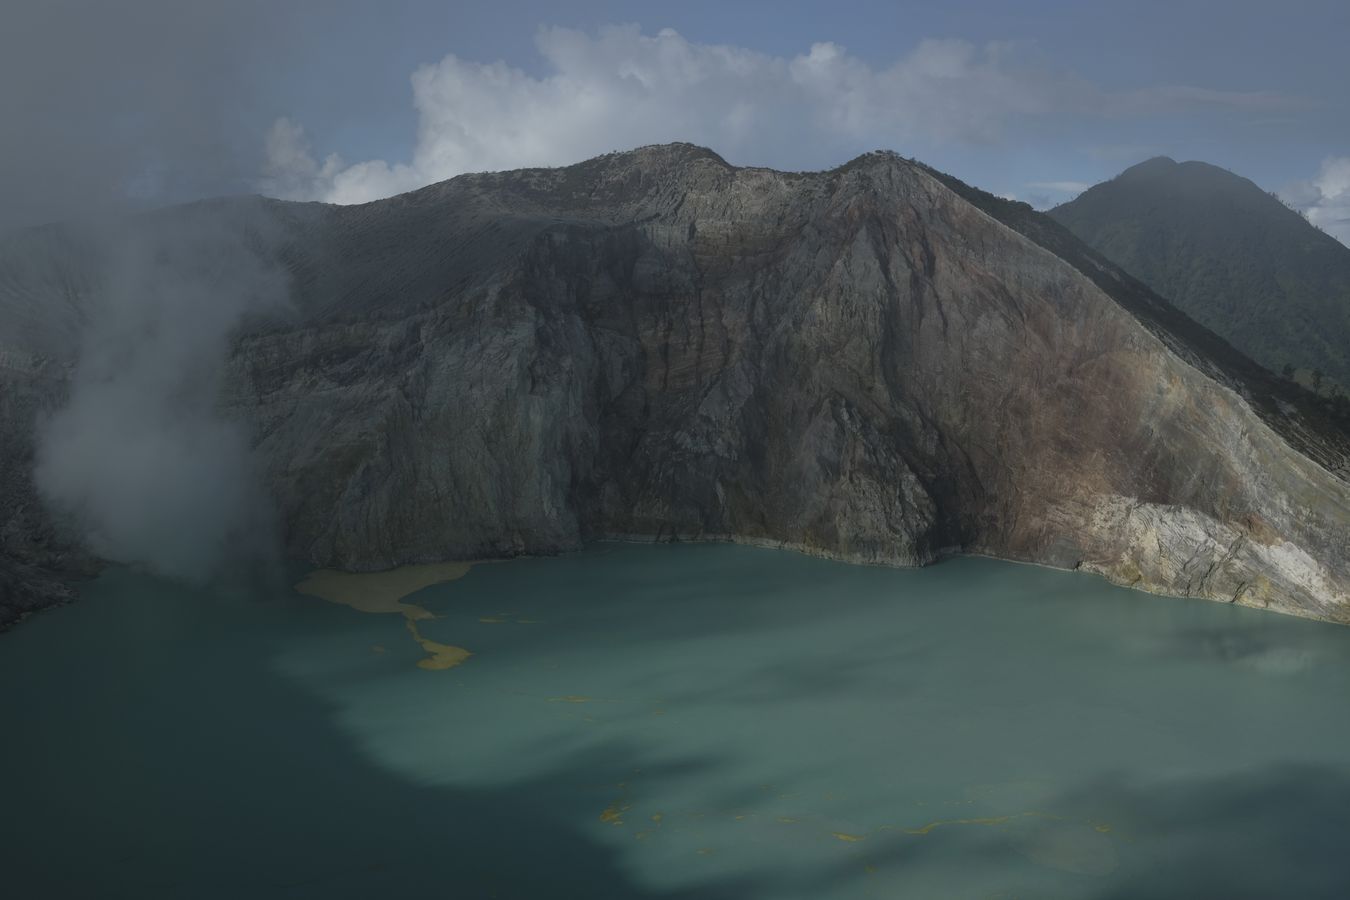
320 99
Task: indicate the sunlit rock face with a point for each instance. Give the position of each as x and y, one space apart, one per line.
874 363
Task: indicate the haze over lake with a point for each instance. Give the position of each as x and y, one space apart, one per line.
677 721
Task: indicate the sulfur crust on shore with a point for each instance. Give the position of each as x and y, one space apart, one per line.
380 592
383 592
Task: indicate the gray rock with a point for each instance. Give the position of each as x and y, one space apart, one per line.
875 363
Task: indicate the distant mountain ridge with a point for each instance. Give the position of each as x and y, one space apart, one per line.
1228 254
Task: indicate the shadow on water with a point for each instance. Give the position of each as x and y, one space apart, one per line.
1278 831
301 812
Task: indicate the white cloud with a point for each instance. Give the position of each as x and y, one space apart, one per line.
290 169
621 88
1325 199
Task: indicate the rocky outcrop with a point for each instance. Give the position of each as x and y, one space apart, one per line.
874 363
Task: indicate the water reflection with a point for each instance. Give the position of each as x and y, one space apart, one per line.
1250 645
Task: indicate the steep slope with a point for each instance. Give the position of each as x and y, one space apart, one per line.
1228 254
42 289
874 363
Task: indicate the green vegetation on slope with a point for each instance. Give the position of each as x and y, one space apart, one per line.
1231 256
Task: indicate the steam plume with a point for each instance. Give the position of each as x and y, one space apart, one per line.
139 459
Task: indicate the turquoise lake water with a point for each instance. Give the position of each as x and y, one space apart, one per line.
705 721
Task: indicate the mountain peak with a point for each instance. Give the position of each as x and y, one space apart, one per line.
1190 175
1158 165
662 155
1227 253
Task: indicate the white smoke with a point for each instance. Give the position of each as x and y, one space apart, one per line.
139 459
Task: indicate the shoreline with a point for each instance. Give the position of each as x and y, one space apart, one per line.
855 559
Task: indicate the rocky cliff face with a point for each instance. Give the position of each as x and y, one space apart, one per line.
34 559
874 363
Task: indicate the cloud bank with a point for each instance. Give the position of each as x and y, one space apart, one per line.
1325 199
622 88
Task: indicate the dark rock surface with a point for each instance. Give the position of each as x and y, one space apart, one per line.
36 561
874 363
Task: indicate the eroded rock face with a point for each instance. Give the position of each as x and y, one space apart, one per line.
870 363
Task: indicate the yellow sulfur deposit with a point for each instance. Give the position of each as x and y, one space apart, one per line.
383 592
